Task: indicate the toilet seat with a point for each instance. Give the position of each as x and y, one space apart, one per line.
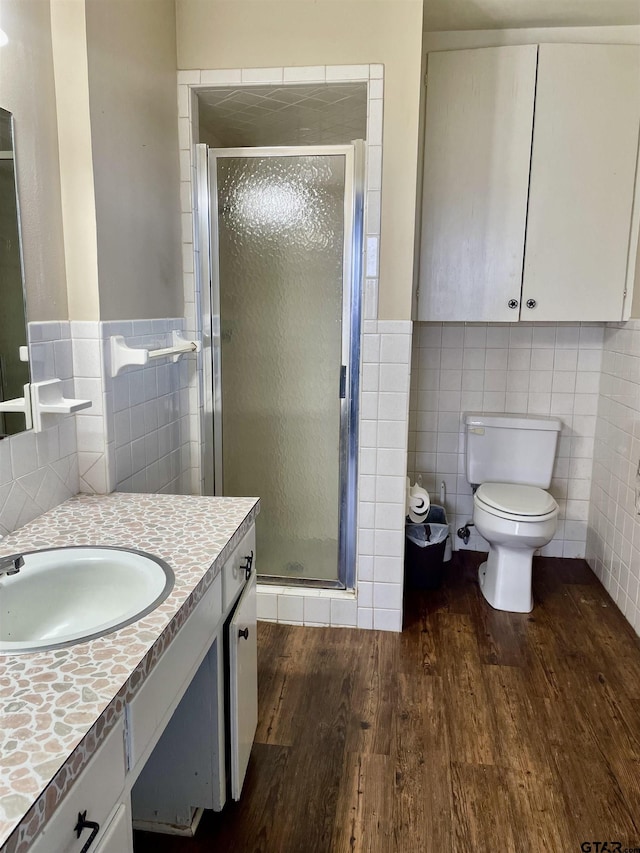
516 502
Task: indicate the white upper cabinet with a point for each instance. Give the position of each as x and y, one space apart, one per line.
529 184
479 118
585 149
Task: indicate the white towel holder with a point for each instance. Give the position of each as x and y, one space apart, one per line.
122 355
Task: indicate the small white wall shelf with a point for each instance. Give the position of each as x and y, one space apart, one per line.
122 355
20 404
43 398
47 399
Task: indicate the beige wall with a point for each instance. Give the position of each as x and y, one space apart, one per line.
131 51
263 33
68 27
27 90
115 73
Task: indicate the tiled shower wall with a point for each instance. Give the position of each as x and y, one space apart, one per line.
613 541
135 437
546 369
40 471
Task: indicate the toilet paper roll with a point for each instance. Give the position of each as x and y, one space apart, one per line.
419 503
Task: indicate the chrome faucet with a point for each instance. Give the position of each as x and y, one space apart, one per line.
11 565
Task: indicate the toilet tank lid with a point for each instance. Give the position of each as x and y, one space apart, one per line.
507 421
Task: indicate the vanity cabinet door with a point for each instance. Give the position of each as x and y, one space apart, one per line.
234 573
97 791
243 684
478 127
118 837
585 149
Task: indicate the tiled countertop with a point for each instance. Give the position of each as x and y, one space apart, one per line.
57 706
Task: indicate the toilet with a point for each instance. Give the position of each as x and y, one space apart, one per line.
509 461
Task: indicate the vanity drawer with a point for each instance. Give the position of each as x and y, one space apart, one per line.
233 576
152 707
97 790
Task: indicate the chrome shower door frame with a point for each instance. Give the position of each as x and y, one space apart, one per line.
209 275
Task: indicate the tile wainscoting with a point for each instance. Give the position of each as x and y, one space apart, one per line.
135 437
613 540
40 471
545 369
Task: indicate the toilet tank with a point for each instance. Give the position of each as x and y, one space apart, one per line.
510 448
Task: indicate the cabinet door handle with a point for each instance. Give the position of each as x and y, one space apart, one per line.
247 567
531 303
82 824
243 632
512 303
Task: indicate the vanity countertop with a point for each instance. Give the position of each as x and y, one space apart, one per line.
57 706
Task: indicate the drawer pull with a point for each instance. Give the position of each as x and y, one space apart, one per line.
82 824
247 568
243 632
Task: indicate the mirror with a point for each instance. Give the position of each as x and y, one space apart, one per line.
14 373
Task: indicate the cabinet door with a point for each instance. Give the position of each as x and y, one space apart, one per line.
585 148
97 791
243 684
479 117
118 837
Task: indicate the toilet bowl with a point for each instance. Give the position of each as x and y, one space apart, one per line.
516 520
509 461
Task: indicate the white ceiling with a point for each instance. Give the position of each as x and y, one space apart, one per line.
326 114
505 14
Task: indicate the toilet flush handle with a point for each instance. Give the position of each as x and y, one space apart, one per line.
464 533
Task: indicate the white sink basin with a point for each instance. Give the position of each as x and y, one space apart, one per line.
63 596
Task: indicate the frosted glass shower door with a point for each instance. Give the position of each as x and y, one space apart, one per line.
280 224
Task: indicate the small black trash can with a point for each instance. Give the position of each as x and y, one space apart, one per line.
424 550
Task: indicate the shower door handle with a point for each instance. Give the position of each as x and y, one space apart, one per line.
343 381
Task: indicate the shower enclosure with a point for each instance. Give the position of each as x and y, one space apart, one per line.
281 324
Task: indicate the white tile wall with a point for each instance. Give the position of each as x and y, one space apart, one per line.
547 369
613 541
136 435
38 472
385 377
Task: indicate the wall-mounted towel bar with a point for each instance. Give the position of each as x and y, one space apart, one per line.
123 355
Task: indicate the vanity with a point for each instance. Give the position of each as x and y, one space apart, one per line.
151 723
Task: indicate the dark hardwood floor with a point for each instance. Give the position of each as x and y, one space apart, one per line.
473 730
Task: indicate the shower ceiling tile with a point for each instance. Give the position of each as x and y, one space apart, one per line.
327 114
287 97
